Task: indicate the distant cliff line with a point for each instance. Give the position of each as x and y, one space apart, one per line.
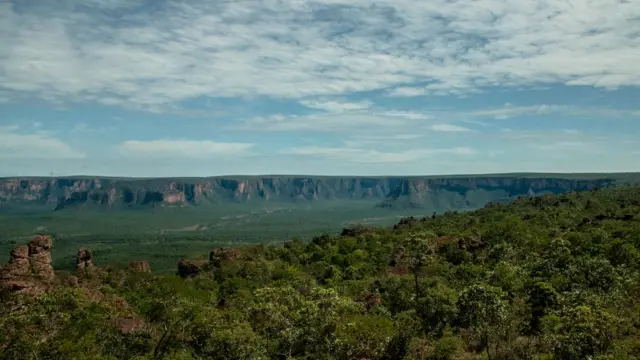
453 191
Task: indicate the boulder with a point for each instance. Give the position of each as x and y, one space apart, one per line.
84 259
140 266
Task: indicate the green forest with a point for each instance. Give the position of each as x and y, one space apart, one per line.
548 277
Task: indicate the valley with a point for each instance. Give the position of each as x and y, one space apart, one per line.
167 218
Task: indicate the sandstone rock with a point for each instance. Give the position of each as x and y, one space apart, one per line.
216 256
18 265
84 259
18 285
39 244
40 257
190 268
20 252
140 266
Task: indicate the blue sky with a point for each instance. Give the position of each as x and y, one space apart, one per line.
335 87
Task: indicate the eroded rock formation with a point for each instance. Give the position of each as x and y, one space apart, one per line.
140 266
84 259
40 257
18 266
216 256
190 268
29 266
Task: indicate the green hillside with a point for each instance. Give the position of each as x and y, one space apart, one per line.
548 277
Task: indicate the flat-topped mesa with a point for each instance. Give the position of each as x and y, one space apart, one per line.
84 260
140 266
456 191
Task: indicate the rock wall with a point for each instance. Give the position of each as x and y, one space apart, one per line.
60 193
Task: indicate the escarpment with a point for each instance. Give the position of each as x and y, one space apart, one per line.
447 192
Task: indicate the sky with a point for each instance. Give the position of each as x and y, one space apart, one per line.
324 87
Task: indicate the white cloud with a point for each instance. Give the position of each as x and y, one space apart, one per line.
562 145
38 145
406 91
152 56
375 156
449 128
361 121
335 106
358 141
509 111
182 148
407 115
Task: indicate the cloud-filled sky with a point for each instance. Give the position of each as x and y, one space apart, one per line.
335 87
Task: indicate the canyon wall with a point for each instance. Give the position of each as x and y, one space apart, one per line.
452 192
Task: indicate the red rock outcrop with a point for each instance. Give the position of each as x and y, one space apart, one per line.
190 268
40 257
18 266
140 266
29 269
84 259
216 256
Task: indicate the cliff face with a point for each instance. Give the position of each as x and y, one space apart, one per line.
60 193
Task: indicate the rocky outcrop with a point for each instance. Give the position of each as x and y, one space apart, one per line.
40 257
18 266
140 266
84 260
457 191
190 268
217 256
29 266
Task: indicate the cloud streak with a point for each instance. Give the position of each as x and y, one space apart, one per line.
35 145
448 128
375 156
182 148
150 56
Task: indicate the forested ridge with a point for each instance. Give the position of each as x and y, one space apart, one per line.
549 277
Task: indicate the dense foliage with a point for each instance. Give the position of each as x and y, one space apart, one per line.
551 277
